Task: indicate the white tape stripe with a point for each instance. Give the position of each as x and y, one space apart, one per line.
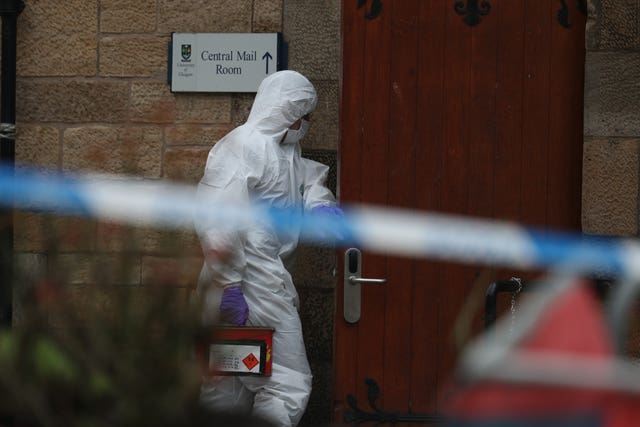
447 237
140 202
630 253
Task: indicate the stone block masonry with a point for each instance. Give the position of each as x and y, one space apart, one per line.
612 119
93 96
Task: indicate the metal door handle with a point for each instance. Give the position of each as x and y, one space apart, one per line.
356 279
352 283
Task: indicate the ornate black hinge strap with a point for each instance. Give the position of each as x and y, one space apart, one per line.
472 11
563 13
583 8
374 10
357 415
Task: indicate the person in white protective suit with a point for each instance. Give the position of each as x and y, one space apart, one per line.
260 162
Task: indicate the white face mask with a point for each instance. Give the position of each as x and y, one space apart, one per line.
297 134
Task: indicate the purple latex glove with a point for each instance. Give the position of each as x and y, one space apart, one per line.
233 306
329 212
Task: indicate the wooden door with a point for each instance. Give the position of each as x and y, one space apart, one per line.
468 107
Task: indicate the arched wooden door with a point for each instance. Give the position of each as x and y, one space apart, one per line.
468 107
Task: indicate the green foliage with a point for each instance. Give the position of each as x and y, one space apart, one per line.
126 362
103 355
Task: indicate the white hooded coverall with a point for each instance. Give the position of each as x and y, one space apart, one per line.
253 164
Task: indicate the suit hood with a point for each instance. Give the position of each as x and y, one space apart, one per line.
282 98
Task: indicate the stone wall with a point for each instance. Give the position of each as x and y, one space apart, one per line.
314 50
92 95
612 118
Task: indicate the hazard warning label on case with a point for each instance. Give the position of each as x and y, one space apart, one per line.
250 361
234 358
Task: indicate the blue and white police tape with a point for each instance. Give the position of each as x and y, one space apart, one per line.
376 229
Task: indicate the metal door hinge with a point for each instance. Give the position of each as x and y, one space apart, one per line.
374 10
472 11
357 415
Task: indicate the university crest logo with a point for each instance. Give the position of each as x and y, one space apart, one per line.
186 53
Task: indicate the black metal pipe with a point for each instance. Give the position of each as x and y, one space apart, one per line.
601 287
491 298
9 10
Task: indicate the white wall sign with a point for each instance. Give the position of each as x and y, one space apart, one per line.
222 62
